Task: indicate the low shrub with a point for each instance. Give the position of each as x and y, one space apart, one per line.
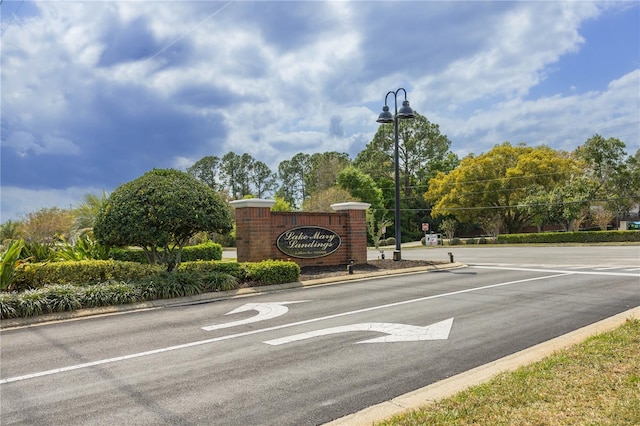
37 275
483 240
207 266
471 241
570 237
455 241
205 251
272 272
391 241
128 255
194 278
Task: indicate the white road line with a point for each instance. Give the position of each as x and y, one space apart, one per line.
264 330
559 271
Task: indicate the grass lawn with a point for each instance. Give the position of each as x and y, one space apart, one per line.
594 383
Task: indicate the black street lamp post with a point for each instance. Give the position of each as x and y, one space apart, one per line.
386 117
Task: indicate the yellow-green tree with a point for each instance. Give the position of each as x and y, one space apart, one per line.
492 187
47 225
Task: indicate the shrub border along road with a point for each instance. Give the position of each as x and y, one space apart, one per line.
209 296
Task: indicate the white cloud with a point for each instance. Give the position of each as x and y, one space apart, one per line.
125 86
17 202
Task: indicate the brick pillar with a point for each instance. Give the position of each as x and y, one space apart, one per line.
356 230
253 229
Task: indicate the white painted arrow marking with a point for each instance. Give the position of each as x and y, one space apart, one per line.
395 332
265 311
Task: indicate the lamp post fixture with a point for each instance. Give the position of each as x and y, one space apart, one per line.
386 117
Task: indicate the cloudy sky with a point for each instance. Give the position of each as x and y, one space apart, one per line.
95 93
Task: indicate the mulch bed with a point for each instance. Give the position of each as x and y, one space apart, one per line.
317 272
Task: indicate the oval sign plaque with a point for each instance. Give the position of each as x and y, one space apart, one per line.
308 242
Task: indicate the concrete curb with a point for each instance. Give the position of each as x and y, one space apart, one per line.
10 323
452 385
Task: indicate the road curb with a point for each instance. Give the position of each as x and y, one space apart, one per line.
11 323
452 385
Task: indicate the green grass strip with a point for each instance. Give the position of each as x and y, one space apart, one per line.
594 383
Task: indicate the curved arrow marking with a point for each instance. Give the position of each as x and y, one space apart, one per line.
265 311
395 332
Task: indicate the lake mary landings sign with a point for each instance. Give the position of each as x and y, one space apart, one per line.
308 242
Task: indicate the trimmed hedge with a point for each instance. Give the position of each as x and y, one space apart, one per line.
570 237
204 251
231 268
37 275
271 272
67 286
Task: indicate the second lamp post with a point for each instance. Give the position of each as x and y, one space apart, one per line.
386 117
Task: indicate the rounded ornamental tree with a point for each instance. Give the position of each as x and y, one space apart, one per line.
159 212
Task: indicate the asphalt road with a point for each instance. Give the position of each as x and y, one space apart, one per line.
312 358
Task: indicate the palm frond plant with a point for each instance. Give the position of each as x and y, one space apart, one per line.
8 262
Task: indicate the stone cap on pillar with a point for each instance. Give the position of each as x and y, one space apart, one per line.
352 205
252 202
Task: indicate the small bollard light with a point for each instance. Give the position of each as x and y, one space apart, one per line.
450 257
382 254
350 267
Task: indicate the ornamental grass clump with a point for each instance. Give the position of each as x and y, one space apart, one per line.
64 297
122 293
96 296
220 281
32 303
8 305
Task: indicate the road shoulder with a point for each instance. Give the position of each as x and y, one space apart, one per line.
452 385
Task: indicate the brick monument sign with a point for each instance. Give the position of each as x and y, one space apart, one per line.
309 239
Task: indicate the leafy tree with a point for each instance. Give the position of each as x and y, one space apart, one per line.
361 186
262 179
422 152
569 203
47 225
495 185
236 170
281 205
325 168
159 212
606 163
633 168
293 176
601 217
207 170
322 200
448 227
